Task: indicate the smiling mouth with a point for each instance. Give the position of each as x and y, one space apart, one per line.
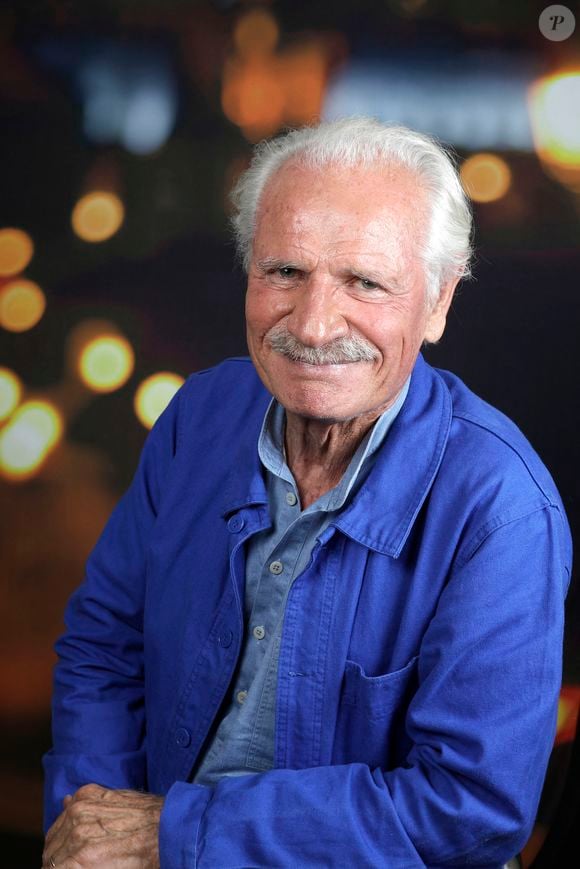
322 363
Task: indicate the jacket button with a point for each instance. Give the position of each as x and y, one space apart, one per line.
236 523
225 639
182 737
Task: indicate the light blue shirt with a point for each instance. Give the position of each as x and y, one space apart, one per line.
244 740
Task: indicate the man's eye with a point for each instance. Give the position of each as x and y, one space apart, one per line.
287 272
367 284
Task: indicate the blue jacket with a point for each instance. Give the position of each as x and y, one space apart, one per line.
420 661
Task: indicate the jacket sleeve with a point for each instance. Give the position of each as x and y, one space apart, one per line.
482 724
98 698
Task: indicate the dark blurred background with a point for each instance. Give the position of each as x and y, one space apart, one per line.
122 128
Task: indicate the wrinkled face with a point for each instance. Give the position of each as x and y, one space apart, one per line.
335 309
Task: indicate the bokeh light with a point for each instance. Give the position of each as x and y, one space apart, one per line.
106 362
10 392
149 117
253 96
555 120
303 74
264 87
129 96
485 177
97 216
555 117
568 709
154 394
33 431
16 249
256 32
22 304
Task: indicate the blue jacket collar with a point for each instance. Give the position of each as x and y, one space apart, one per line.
382 513
245 484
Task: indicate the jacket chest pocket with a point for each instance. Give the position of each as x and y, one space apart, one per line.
371 716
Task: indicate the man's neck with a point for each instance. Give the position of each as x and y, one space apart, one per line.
318 452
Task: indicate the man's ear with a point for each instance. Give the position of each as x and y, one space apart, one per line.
438 315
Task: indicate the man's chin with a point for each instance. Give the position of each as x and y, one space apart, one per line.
323 411
319 368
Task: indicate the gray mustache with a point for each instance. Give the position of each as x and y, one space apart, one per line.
351 348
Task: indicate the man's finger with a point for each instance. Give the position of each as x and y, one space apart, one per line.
50 860
77 813
52 832
90 792
71 838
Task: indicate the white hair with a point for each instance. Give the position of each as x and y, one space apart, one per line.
361 141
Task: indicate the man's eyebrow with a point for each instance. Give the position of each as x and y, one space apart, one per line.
270 262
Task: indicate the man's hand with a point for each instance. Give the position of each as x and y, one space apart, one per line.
102 827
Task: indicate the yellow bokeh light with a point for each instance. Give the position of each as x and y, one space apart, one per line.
553 103
16 251
10 392
485 177
97 216
22 304
256 33
106 362
33 431
154 394
564 711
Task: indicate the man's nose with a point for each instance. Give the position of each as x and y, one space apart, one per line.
315 318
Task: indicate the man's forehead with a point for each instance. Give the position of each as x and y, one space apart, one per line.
360 206
308 232
370 252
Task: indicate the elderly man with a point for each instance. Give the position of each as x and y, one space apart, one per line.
324 625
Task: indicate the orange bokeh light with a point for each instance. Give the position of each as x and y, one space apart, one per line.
253 96
22 304
303 76
262 88
256 32
485 177
261 93
16 249
97 216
